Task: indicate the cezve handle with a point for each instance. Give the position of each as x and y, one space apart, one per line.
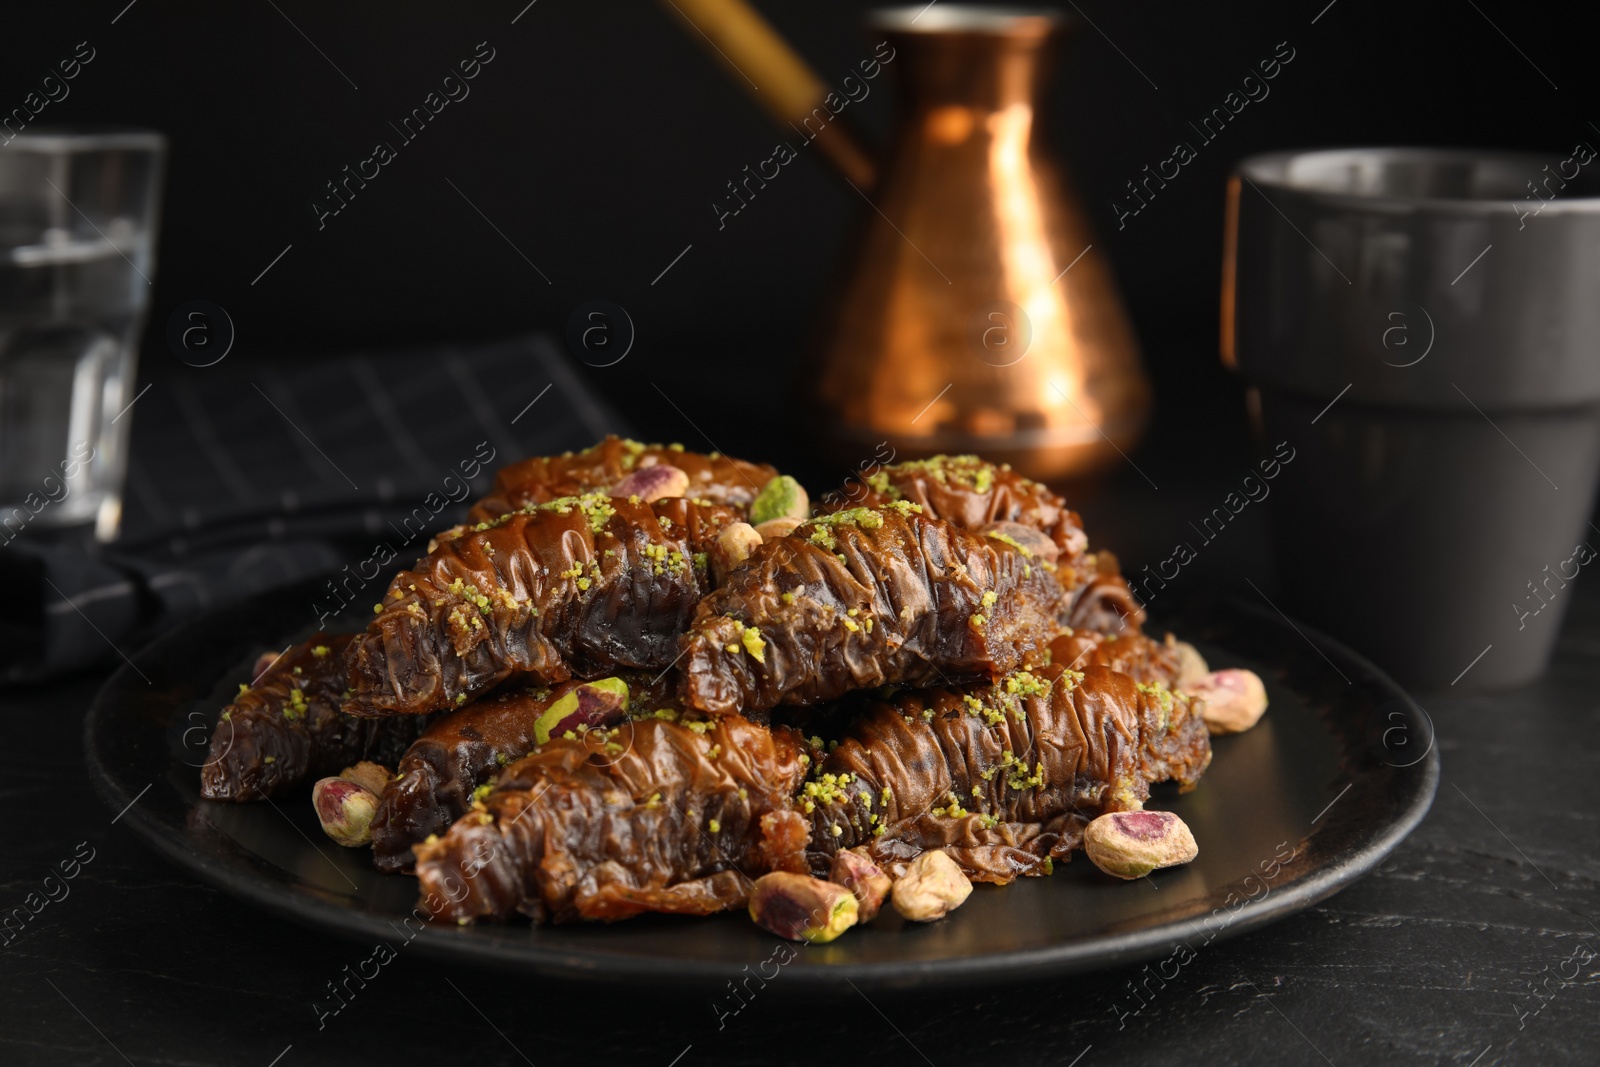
778 79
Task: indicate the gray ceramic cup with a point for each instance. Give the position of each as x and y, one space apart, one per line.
1423 327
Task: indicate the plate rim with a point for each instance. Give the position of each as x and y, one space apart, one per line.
1011 966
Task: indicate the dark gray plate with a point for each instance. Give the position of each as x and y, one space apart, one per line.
1332 780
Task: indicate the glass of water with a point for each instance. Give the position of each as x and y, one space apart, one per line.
78 216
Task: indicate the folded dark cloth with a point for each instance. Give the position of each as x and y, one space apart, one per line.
250 477
66 609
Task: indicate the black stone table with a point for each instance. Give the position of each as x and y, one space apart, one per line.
1474 944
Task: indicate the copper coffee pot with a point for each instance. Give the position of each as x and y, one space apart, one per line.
978 315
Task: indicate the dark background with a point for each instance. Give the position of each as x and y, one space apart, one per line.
600 134
596 141
598 137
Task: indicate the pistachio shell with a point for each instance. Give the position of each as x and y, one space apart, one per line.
374 777
345 809
653 483
853 870
802 908
1233 700
735 543
1192 667
774 528
1131 844
931 888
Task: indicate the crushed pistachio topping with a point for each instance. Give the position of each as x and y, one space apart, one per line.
966 472
828 789
1018 778
1025 683
1159 695
634 448
596 507
750 637
750 641
1005 538
1162 699
990 716
296 708
470 592
320 651
661 557
482 791
714 826
464 622
866 518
